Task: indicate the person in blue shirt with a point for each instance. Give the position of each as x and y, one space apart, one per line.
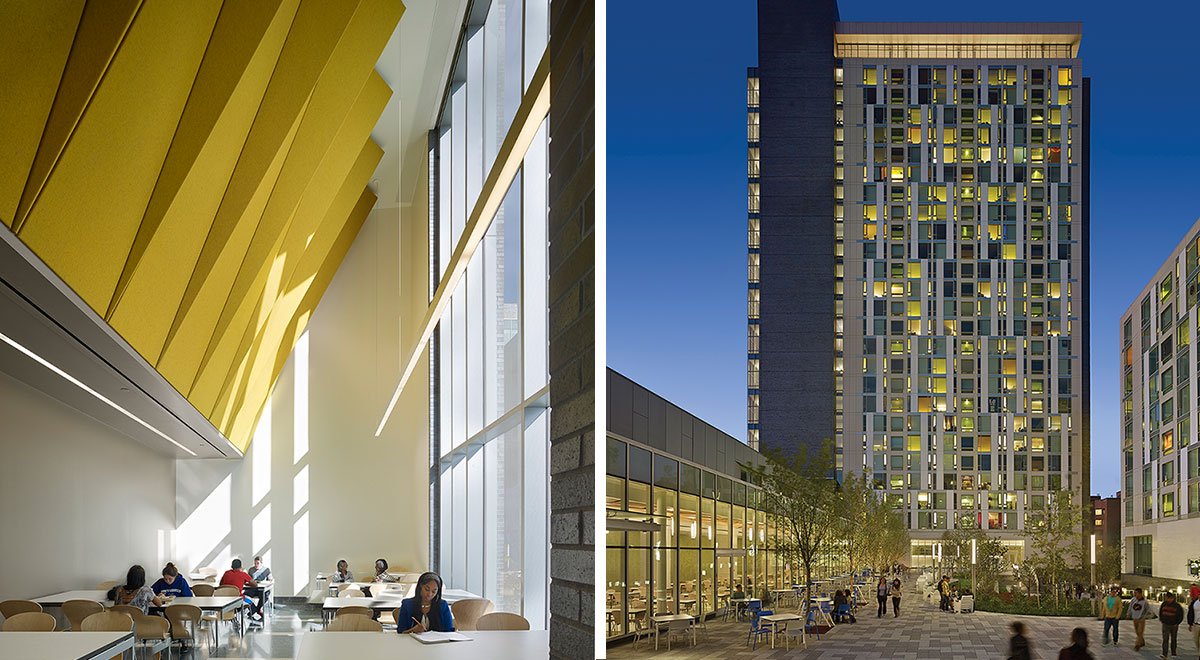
172 583
426 611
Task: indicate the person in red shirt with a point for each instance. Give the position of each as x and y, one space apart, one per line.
236 577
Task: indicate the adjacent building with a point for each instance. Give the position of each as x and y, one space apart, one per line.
1106 520
1159 455
918 260
684 524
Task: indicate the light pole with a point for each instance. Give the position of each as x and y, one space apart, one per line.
1093 548
972 566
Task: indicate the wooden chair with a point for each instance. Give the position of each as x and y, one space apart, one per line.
13 607
153 631
502 621
183 620
29 622
78 610
353 609
354 623
107 622
126 609
468 610
203 590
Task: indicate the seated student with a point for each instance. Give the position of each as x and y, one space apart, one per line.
172 583
260 574
343 573
426 611
738 594
135 592
236 577
841 607
381 574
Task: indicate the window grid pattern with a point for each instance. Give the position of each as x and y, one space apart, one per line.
755 254
963 182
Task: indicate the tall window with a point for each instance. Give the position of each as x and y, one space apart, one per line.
490 376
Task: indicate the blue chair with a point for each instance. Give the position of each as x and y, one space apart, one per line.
758 628
810 622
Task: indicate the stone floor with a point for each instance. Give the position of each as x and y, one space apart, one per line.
278 637
921 632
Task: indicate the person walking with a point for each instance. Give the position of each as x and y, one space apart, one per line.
881 592
1193 621
1170 614
1138 609
896 598
1018 645
1078 648
1110 611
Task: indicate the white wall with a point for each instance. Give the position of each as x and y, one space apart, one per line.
316 485
81 502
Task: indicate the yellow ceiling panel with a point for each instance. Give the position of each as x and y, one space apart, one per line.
181 356
315 31
84 220
262 266
240 56
35 39
337 194
274 348
100 32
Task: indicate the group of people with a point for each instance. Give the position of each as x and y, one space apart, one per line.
883 590
426 610
1171 614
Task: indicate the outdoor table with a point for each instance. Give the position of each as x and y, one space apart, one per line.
82 645
741 603
776 619
216 604
668 618
531 644
818 604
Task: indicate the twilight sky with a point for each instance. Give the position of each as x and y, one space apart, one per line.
677 183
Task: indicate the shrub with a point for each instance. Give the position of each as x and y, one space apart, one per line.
1022 604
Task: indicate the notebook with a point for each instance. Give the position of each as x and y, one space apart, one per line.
436 637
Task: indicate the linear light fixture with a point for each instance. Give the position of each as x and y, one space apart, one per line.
533 109
81 385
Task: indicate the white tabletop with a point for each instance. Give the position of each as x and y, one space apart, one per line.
82 645
780 617
494 644
207 602
665 618
56 600
373 603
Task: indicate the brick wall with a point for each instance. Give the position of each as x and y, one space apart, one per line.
572 328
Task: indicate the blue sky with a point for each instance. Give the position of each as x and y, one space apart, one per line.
677 181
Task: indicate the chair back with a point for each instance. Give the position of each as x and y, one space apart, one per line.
203 590
150 627
179 616
11 608
755 617
354 623
108 622
352 592
502 621
29 622
353 609
468 610
681 624
78 610
226 590
126 609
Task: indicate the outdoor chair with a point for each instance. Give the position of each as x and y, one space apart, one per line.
964 604
758 628
681 627
638 626
790 631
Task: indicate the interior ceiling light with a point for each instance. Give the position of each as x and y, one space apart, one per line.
74 381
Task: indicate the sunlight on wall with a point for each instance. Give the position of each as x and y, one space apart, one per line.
208 528
300 401
260 530
260 454
300 491
300 554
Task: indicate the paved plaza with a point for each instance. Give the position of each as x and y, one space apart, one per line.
921 632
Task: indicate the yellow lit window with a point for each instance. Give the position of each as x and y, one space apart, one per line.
1038 443
1010 366
870 76
1010 251
1064 75
914 270
914 309
949 155
914 443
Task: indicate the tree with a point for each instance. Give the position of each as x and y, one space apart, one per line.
1108 563
798 493
989 555
1052 537
884 535
857 502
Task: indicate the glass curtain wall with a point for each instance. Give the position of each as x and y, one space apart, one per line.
711 537
489 478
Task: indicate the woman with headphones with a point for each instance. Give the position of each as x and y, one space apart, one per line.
426 611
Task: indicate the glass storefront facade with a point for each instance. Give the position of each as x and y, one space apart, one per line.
489 483
682 535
